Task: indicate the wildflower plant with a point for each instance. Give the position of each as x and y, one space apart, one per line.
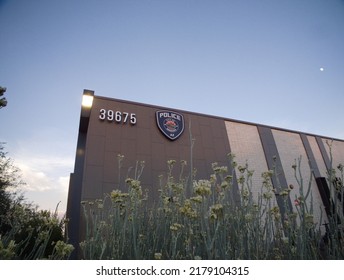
218 218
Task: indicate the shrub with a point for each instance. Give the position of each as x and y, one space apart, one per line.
25 231
33 234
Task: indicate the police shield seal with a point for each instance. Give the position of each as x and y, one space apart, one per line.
171 124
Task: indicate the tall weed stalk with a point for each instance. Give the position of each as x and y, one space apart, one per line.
208 223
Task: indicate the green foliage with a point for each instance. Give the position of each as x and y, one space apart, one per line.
25 231
210 223
3 101
10 184
33 234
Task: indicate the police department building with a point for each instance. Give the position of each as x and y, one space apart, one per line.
141 132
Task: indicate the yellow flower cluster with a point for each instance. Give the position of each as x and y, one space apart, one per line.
202 187
135 184
63 249
176 227
187 209
219 169
157 256
216 211
100 203
117 196
267 195
197 199
309 219
275 212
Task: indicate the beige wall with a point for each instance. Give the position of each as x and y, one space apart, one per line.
291 150
337 151
317 155
245 144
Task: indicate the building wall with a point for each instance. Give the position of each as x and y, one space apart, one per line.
261 147
318 157
335 150
292 152
245 144
144 142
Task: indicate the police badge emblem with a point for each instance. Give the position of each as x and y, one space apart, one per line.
171 124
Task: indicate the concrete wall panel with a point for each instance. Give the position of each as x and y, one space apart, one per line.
291 150
100 142
317 155
246 146
336 151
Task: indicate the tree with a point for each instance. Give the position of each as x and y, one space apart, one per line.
3 101
10 184
25 231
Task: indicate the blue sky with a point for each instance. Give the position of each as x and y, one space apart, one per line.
251 60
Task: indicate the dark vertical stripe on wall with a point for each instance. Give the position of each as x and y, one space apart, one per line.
274 163
323 152
310 155
329 203
320 181
74 196
75 184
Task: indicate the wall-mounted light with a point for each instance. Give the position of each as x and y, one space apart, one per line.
87 98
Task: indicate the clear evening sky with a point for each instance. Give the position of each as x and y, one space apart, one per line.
274 62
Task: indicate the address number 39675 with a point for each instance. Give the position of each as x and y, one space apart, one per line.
117 116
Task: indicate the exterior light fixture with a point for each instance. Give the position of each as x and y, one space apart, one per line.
87 99
86 107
